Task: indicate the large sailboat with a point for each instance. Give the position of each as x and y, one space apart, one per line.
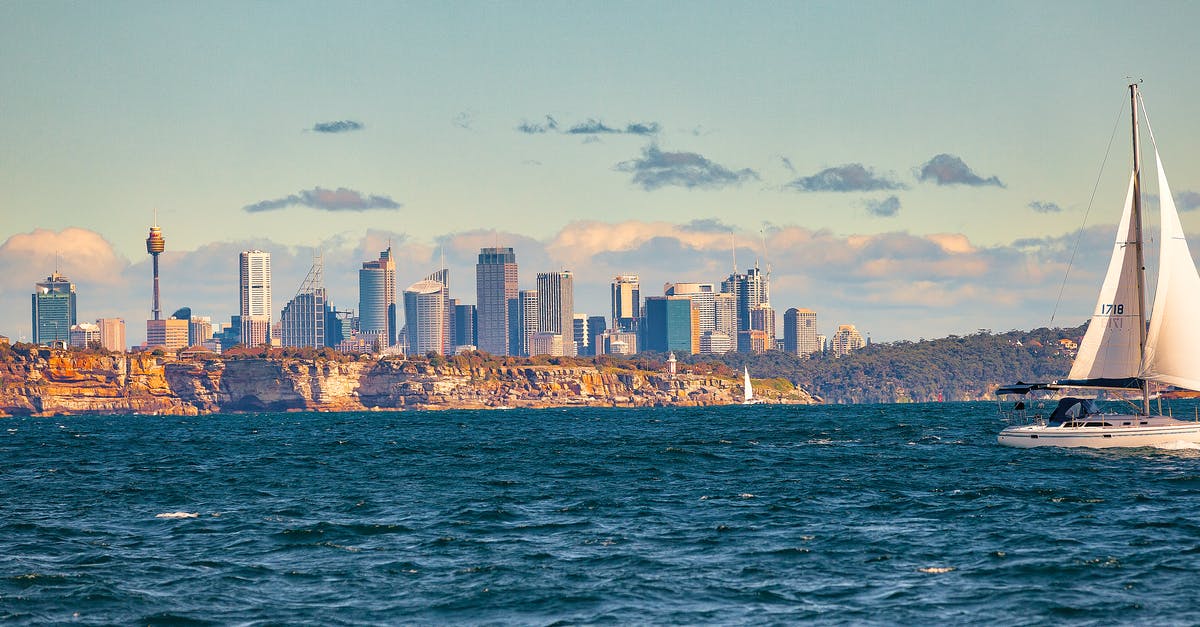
1120 351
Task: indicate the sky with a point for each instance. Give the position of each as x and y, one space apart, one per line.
917 169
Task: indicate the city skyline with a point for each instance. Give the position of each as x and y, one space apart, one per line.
917 171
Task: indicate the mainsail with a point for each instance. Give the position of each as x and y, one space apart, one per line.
1109 349
1173 345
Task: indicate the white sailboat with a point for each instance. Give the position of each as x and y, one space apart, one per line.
1120 351
747 389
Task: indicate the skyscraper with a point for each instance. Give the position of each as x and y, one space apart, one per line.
626 301
523 321
53 309
377 298
846 340
762 318
669 325
302 322
556 306
254 296
495 285
443 276
703 298
751 289
425 317
800 332
466 319
112 333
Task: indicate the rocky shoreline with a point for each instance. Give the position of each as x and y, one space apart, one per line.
48 383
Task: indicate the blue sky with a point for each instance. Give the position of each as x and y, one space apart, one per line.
918 169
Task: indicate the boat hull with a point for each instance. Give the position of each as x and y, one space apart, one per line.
1153 431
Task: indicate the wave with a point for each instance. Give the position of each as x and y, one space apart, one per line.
177 515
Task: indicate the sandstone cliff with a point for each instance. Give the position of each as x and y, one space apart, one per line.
58 382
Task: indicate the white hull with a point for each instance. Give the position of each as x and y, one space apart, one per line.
1122 432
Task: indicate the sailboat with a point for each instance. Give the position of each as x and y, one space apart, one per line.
1120 351
747 389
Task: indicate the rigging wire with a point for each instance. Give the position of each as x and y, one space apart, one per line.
1079 234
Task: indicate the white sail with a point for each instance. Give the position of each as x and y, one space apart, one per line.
748 390
1109 349
1173 346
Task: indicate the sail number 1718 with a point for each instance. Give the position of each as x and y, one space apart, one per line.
1110 308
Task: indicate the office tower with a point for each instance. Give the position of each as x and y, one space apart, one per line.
466 318
762 318
523 321
302 322
443 276
595 326
579 334
556 306
668 325
425 318
254 296
847 340
626 302
516 324
84 335
703 299
53 309
112 334
616 342
339 326
725 313
715 343
377 298
751 289
495 285
200 330
552 344
753 341
800 332
155 245
170 334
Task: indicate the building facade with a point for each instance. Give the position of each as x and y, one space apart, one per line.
495 285
668 324
750 289
254 296
377 299
112 334
800 332
170 334
846 340
425 318
626 302
762 318
556 306
53 310
84 335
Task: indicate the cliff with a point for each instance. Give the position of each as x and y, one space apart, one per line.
44 382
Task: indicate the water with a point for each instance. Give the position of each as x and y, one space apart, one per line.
764 515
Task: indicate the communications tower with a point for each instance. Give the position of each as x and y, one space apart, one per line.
155 245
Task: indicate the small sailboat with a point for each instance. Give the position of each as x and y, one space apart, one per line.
747 389
1120 351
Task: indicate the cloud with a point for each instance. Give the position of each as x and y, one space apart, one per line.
537 129
657 169
787 163
464 120
706 225
591 126
945 169
886 207
1045 207
851 177
340 126
1186 200
340 199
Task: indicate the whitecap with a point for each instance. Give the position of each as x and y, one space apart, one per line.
936 570
1178 445
177 515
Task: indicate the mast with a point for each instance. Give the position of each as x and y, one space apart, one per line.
1138 247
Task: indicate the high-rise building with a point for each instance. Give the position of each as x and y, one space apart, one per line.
751 289
443 276
200 330
762 318
84 335
495 285
579 334
616 342
302 322
170 334
668 324
466 318
626 302
552 344
556 306
595 326
425 318
523 321
53 309
846 340
112 334
753 341
377 298
703 298
725 314
715 343
254 296
800 332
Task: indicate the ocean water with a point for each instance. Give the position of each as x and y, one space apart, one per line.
764 515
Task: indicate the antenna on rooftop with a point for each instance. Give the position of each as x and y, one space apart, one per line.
733 245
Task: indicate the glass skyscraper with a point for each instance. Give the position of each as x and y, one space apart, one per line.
495 285
377 298
53 309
